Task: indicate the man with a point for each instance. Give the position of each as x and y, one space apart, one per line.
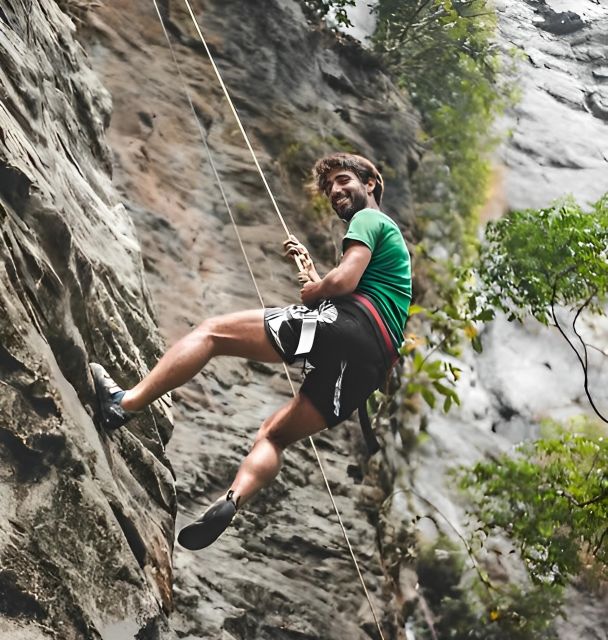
348 330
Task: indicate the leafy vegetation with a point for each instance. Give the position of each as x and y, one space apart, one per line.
552 501
437 332
322 9
530 264
443 52
533 262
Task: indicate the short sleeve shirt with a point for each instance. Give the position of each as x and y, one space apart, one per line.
387 280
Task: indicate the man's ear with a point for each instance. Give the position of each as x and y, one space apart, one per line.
370 186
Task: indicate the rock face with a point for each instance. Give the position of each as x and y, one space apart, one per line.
283 571
558 147
526 373
90 516
559 134
87 519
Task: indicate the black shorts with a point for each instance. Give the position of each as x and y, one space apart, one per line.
342 349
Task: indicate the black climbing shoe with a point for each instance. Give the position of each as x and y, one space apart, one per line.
109 395
208 528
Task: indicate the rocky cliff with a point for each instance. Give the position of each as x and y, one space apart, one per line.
115 241
90 529
554 145
283 571
88 519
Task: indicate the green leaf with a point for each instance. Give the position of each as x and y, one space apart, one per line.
415 309
476 342
486 315
429 397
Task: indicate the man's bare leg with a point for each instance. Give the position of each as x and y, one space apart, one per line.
236 334
294 421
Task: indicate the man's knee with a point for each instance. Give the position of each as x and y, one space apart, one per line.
271 431
210 331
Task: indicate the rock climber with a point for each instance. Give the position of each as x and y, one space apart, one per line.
348 330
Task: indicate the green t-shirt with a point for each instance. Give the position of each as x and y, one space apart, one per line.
387 280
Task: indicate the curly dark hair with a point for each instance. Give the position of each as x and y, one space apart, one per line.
362 167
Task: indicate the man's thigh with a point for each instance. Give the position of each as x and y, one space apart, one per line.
241 334
340 387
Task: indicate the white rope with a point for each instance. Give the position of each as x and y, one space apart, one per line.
238 120
244 252
208 152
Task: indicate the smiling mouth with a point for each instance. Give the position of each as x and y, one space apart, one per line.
341 202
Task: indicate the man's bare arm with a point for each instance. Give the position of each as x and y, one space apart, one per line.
343 279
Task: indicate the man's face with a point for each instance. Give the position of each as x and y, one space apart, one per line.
346 192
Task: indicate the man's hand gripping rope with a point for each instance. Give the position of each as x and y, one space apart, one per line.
307 272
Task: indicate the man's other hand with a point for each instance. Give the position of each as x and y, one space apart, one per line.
309 293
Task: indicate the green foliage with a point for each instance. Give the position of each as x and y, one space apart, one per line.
432 378
446 322
426 370
533 260
442 51
444 54
463 608
551 500
518 614
321 9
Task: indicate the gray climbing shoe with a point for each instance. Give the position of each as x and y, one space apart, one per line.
208 528
109 395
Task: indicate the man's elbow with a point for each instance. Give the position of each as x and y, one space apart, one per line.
344 283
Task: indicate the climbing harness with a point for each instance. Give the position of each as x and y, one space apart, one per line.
391 356
242 247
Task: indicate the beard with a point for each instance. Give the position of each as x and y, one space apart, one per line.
357 201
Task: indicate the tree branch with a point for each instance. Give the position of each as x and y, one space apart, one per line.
576 333
576 503
599 544
578 355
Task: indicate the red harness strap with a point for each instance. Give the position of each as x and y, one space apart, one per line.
390 348
366 426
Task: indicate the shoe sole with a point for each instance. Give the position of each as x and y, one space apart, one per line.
199 535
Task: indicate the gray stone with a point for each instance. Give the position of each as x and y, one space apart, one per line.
559 136
88 517
283 570
597 102
601 73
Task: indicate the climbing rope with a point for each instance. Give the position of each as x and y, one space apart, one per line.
218 180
